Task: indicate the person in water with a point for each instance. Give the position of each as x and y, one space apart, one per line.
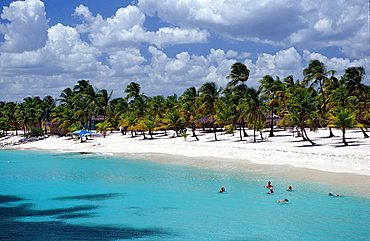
290 188
271 190
222 189
283 201
334 195
269 185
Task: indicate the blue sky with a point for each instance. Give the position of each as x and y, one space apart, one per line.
167 46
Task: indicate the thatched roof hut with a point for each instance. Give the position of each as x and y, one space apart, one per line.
206 120
269 119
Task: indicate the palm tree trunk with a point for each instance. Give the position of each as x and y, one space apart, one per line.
363 131
254 132
306 136
344 138
215 130
240 132
193 130
272 123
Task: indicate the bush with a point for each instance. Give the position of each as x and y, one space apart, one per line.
36 132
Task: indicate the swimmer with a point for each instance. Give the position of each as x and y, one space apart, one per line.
222 189
271 190
334 195
269 185
283 201
290 188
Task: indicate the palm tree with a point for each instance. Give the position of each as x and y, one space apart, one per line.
239 74
270 87
352 78
302 105
189 104
209 94
104 127
342 118
132 90
47 105
174 121
252 110
316 73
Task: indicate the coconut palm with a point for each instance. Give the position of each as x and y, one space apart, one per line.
132 90
189 104
252 111
342 118
352 78
302 105
317 74
209 97
270 88
104 127
239 74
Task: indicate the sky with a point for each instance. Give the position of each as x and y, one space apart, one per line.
168 46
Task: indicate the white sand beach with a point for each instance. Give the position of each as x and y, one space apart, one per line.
329 154
348 165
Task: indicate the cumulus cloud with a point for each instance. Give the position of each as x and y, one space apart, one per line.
114 51
27 27
308 24
126 27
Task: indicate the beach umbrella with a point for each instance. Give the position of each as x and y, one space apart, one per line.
82 133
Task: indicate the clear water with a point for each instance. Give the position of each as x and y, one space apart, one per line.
73 196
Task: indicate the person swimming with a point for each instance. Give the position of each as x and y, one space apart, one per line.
283 201
334 195
271 190
290 188
222 189
269 185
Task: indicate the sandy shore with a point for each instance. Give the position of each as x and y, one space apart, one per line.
329 154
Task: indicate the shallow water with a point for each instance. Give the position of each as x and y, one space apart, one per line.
73 196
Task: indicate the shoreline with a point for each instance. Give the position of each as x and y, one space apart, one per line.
329 160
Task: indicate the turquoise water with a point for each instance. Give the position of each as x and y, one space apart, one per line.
73 196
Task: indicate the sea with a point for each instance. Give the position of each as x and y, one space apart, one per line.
86 196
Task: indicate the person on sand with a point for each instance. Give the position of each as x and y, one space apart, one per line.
269 185
290 188
334 195
283 201
271 190
222 190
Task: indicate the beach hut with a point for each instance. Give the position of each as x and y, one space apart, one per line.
272 119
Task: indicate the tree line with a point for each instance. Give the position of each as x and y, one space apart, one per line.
319 100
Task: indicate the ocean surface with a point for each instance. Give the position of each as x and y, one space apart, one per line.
82 196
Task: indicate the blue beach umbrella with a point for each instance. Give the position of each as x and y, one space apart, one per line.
82 133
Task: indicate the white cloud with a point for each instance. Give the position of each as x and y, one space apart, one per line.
307 24
126 28
27 27
114 56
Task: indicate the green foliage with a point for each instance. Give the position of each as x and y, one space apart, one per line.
36 132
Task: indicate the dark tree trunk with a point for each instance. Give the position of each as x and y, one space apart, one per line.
344 138
363 131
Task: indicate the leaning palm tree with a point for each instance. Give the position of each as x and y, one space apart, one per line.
342 118
239 74
352 78
209 97
302 105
